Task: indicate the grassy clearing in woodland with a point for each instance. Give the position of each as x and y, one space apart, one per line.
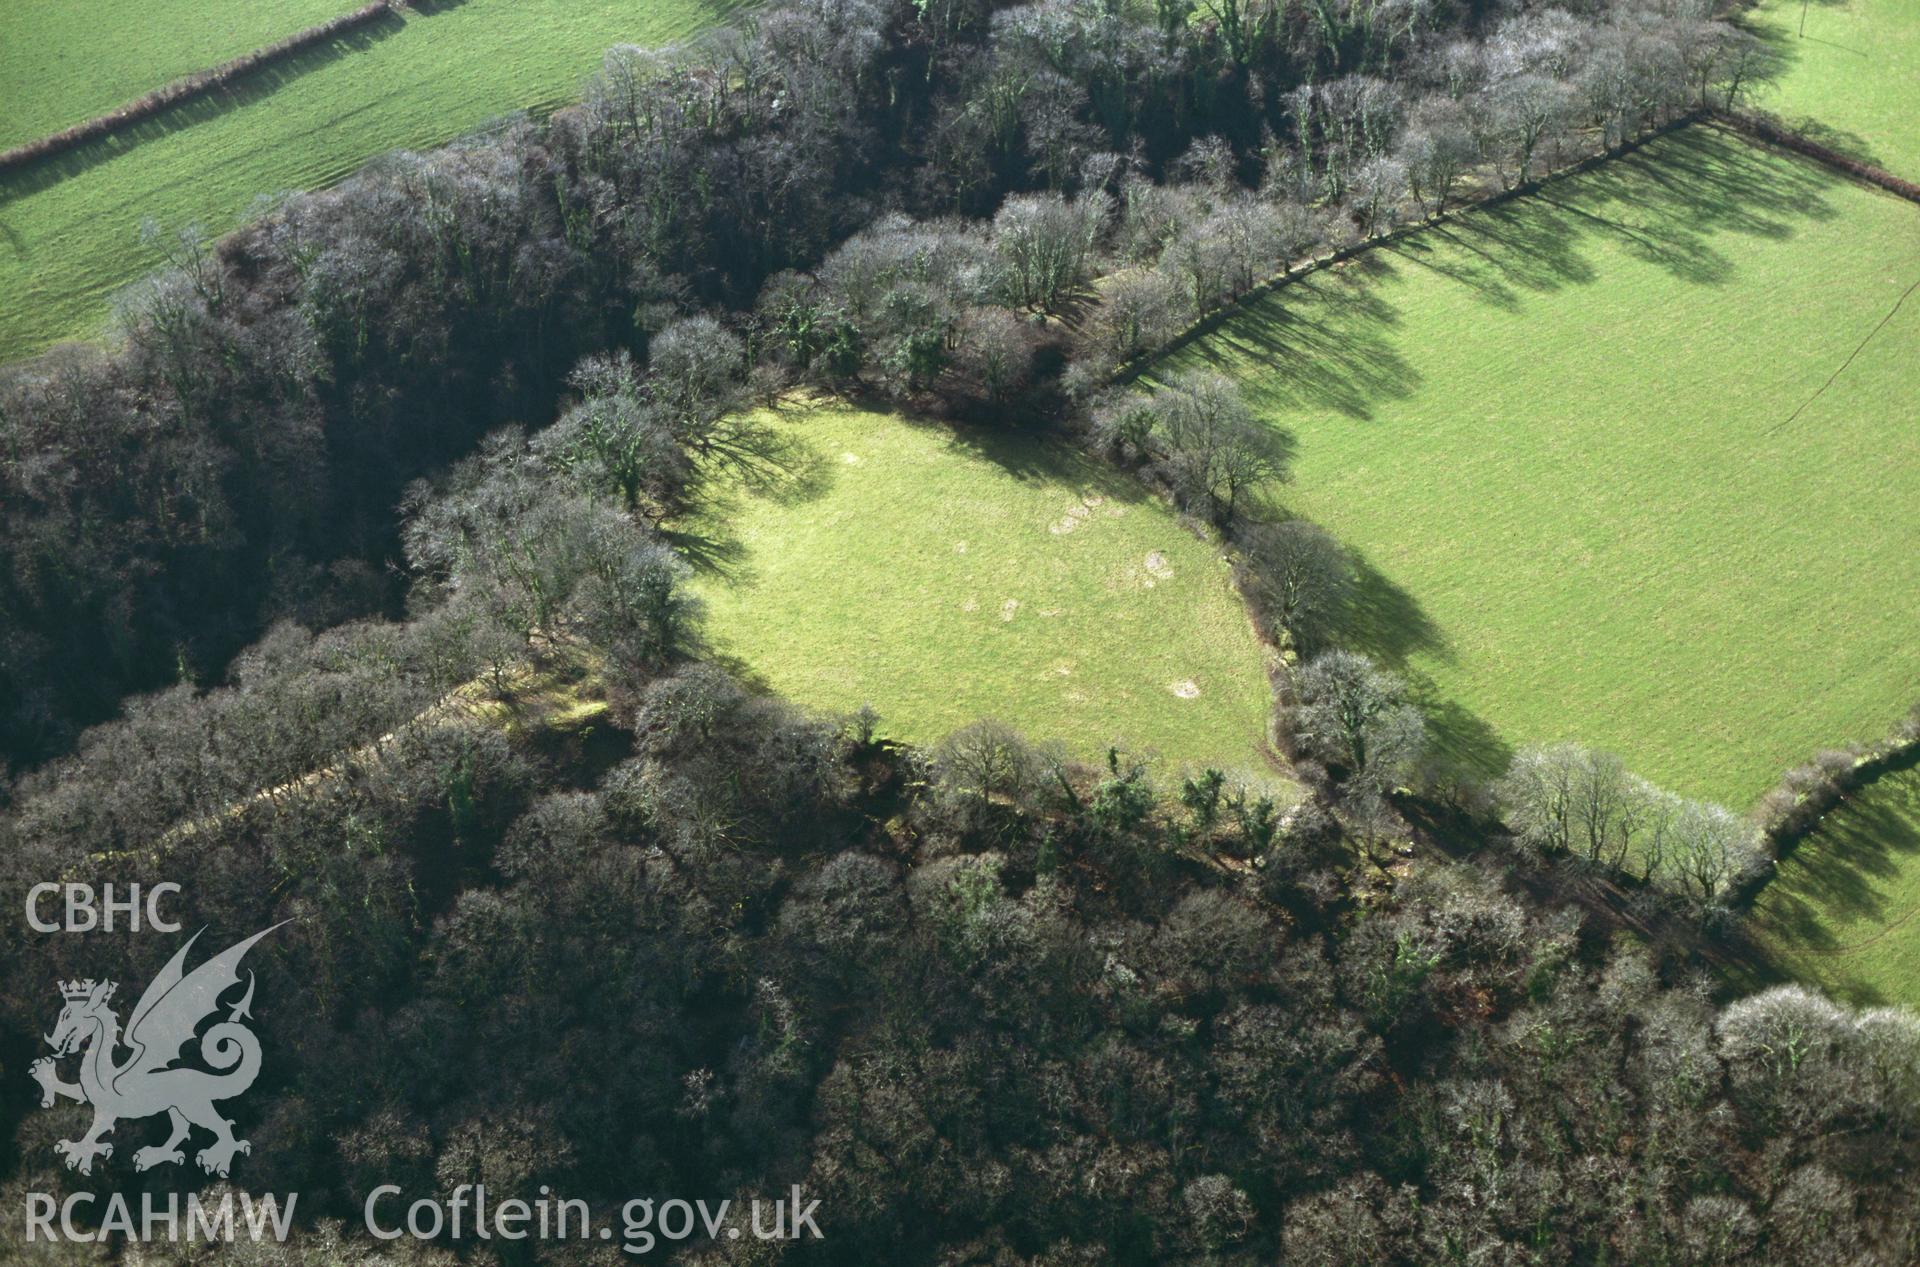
943 577
1853 80
1844 911
1603 489
70 228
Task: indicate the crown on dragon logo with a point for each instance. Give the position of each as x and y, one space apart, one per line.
171 1014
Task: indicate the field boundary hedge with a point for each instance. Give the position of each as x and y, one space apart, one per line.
1806 794
1774 132
1201 327
189 87
1754 126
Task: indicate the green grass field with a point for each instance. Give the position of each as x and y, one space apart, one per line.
70 229
1844 911
1582 444
944 577
1855 75
63 63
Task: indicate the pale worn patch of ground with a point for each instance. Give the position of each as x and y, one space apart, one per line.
1081 512
1147 573
883 585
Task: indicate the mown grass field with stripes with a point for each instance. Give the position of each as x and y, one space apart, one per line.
1629 461
63 63
70 228
1851 75
1843 911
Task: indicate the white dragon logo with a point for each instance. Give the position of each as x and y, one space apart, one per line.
163 1022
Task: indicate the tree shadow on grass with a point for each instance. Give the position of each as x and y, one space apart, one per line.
794 470
1665 203
1331 340
786 469
709 548
1035 459
1384 620
1526 245
1840 140
1322 343
1423 251
1707 178
1835 876
746 673
1662 204
1681 252
1842 871
1783 45
1460 741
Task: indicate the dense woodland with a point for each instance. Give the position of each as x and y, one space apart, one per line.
984 1008
878 196
374 494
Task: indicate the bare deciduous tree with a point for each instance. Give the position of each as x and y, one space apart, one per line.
1044 244
1211 447
1355 715
1298 575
